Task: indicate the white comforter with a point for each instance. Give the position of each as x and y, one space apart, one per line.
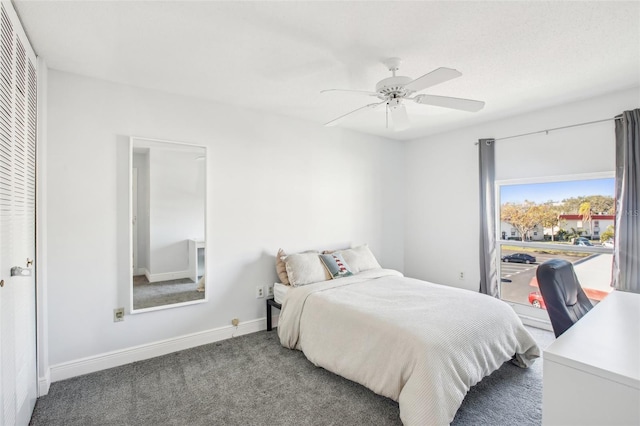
421 344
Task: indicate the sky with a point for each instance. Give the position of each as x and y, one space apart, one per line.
556 191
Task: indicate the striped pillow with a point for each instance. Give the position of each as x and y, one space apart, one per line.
336 265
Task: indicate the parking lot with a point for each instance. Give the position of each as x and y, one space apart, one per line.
510 270
516 277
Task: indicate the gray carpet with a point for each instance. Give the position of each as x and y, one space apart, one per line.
252 380
148 295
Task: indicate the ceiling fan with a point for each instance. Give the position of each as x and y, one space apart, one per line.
394 90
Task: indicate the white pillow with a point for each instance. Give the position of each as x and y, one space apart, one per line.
359 259
305 268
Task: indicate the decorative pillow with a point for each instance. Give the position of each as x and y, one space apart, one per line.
305 268
359 259
281 269
336 265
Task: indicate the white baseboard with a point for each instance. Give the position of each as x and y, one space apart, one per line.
44 383
166 276
112 359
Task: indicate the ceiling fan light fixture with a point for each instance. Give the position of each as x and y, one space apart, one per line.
394 103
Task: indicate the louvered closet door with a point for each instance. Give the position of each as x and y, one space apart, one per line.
18 106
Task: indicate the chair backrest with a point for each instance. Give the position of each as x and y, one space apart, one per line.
565 300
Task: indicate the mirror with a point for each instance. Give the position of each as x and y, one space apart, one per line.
167 217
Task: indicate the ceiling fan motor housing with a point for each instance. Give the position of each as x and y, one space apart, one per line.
392 87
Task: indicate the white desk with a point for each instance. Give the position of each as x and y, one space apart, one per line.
196 252
591 374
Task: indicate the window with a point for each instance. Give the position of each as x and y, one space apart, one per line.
555 219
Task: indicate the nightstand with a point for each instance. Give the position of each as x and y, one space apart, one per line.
270 303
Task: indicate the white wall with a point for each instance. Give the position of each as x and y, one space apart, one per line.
272 182
442 224
42 314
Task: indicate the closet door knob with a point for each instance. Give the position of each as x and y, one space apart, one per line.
29 262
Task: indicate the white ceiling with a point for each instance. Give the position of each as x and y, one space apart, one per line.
278 56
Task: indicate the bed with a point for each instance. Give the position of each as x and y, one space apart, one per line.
421 344
279 292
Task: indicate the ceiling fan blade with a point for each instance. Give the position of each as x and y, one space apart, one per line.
436 76
399 117
361 92
447 102
361 109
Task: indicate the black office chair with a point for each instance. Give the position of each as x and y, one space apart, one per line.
565 300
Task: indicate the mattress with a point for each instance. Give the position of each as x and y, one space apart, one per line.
279 291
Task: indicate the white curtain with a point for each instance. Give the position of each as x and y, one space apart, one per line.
489 283
626 258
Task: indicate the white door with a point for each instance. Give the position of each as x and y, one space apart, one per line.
18 106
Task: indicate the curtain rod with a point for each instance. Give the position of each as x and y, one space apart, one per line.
556 128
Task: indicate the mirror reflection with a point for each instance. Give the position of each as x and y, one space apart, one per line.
167 224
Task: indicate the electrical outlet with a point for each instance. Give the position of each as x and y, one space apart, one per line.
118 314
270 291
259 292
461 276
235 322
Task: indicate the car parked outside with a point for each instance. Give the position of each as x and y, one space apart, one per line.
608 243
536 300
582 241
519 258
